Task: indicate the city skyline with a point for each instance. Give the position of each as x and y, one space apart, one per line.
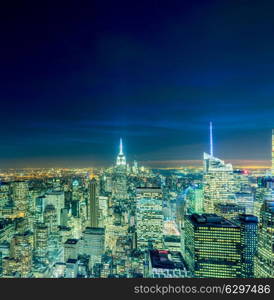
161 164
155 75
165 164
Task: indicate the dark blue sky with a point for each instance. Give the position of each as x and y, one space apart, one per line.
76 77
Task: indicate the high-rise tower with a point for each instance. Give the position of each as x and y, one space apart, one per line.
93 203
264 259
121 159
119 179
218 180
212 246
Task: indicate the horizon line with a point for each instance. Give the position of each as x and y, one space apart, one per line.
236 163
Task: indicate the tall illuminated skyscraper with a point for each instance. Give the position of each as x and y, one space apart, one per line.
121 159
93 203
119 179
218 180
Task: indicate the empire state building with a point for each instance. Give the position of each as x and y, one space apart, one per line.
121 159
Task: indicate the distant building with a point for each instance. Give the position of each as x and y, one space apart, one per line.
56 199
194 198
229 210
71 268
71 249
245 200
41 241
172 243
51 218
20 196
19 264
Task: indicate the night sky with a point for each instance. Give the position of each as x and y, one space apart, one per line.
75 77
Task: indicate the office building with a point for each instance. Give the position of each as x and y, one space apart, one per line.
41 241
56 199
93 204
20 196
94 244
249 240
218 183
264 260
212 246
71 249
149 218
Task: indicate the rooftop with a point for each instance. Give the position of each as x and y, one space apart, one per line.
248 218
94 230
166 259
71 242
209 220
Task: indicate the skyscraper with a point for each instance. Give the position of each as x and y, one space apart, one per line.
149 218
50 218
121 159
41 241
194 200
94 244
57 199
264 260
21 252
93 204
20 194
272 152
249 226
119 179
218 183
218 180
212 246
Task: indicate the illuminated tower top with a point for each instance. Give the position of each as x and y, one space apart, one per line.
121 147
121 159
212 163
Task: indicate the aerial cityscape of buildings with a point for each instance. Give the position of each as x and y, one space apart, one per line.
129 221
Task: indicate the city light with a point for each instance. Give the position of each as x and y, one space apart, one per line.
128 221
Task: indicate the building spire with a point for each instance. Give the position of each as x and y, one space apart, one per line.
121 159
211 139
121 147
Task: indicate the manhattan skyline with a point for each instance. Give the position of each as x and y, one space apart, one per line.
84 76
